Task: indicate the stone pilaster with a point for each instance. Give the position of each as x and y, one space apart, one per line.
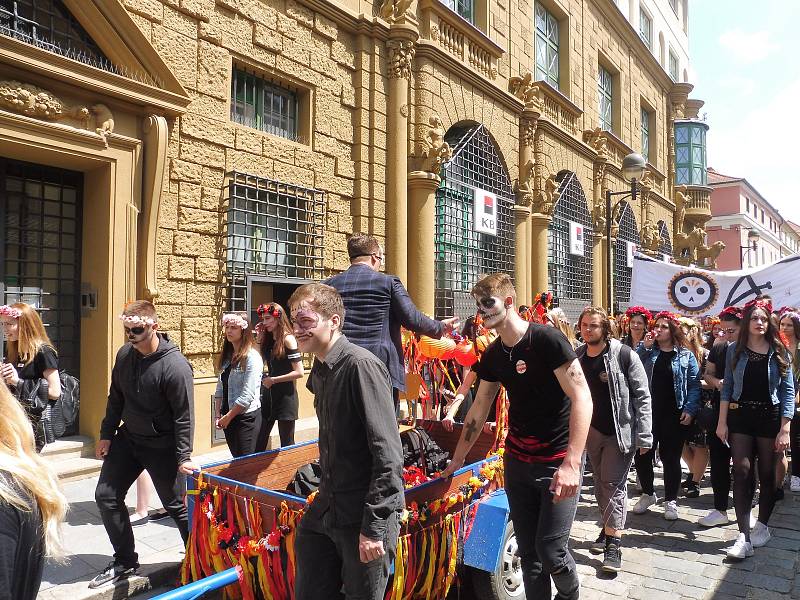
539 226
422 187
522 251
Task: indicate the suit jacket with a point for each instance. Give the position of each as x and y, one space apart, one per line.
376 306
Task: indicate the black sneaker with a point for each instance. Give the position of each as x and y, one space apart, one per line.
779 494
693 490
612 563
112 573
599 545
687 483
159 514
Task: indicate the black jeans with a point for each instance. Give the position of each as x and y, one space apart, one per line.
720 459
794 437
242 432
668 436
327 560
123 464
542 529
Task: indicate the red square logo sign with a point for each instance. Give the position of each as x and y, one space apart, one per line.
488 205
484 212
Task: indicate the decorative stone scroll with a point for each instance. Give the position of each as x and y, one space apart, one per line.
401 54
437 151
394 10
544 201
525 184
524 89
596 138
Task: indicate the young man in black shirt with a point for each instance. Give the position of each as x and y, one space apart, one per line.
348 535
550 410
621 425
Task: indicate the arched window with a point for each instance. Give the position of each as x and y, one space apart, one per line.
463 254
569 270
628 234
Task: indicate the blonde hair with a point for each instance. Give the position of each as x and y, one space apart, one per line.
560 322
21 467
31 335
693 341
495 284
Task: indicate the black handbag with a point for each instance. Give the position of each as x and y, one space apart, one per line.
707 418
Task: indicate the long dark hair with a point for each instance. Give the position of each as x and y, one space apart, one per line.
772 337
675 332
283 328
238 359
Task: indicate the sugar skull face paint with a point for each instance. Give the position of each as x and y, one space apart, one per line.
304 320
492 309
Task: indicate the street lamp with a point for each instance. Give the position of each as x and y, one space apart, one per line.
633 167
752 244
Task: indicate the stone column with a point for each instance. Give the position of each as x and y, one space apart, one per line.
422 187
599 224
526 191
598 270
400 54
522 253
539 225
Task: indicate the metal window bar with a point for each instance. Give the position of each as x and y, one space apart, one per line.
570 276
462 254
264 105
664 242
628 232
274 229
605 93
49 24
40 257
547 68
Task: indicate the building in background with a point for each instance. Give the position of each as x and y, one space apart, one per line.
752 230
663 26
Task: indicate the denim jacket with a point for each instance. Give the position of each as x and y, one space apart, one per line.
781 388
244 385
685 375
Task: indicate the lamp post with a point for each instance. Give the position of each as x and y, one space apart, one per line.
753 238
633 167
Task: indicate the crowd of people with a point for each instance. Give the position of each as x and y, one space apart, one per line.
637 390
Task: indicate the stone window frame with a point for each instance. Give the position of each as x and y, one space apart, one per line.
645 17
652 131
304 94
558 13
608 89
673 65
547 39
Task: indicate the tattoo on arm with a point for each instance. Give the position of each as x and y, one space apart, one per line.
470 430
575 373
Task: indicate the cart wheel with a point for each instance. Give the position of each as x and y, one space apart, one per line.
506 582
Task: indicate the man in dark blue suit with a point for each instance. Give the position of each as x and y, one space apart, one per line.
377 305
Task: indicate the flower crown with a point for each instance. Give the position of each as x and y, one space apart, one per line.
136 320
794 316
638 310
733 311
234 319
670 316
689 322
759 303
10 311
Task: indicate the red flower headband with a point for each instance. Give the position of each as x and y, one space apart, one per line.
268 309
733 311
10 311
758 303
670 316
638 310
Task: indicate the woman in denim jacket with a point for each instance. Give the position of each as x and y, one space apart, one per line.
790 328
674 377
238 396
756 408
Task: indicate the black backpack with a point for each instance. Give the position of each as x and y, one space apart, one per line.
63 417
420 450
306 480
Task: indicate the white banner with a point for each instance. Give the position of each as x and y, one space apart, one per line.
692 291
485 211
576 238
631 250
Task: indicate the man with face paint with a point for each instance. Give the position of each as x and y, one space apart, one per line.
348 534
148 426
550 409
377 305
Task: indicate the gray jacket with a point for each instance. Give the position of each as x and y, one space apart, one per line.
630 397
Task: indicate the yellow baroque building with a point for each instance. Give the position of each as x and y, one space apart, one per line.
214 154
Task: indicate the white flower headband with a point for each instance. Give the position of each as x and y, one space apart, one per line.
135 320
10 311
234 319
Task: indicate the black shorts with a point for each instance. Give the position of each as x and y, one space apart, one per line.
756 420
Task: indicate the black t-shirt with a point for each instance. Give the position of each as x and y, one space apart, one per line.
45 359
594 368
662 387
21 550
717 356
539 409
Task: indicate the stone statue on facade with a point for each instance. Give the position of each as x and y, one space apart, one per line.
524 89
681 199
401 55
437 151
32 101
708 255
596 138
687 244
649 236
544 201
393 10
103 121
525 185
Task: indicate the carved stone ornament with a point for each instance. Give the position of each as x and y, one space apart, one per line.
649 236
524 89
544 201
647 181
681 199
404 110
394 10
401 54
528 131
525 184
32 101
435 32
710 254
678 110
686 245
599 218
437 151
596 138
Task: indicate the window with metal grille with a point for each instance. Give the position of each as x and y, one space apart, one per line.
628 233
464 8
605 93
48 24
646 28
569 276
664 242
40 251
274 229
463 254
690 153
646 134
546 46
674 66
261 104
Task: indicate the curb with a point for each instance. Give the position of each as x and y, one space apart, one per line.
149 577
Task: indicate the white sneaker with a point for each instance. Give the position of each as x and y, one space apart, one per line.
741 548
671 510
794 486
645 502
714 518
759 535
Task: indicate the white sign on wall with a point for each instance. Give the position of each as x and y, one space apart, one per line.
576 238
630 248
666 258
485 211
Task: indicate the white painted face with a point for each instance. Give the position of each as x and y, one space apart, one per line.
492 309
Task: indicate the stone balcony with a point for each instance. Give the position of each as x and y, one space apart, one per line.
459 38
698 207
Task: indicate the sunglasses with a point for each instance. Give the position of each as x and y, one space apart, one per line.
271 310
134 330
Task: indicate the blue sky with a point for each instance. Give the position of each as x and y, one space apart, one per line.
745 64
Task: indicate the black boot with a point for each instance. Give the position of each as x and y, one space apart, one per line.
612 563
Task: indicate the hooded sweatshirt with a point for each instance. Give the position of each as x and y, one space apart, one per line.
153 396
